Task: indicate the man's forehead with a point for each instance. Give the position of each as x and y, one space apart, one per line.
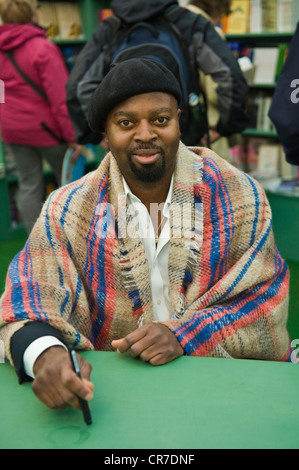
154 102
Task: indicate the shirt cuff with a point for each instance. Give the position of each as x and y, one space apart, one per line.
35 349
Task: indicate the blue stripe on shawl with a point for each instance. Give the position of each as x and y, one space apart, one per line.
16 294
34 292
218 185
256 199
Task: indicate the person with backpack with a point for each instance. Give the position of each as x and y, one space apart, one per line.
161 251
181 40
213 10
34 119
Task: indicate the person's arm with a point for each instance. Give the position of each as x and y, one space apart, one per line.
284 111
40 291
28 343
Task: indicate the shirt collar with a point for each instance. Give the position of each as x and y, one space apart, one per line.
131 198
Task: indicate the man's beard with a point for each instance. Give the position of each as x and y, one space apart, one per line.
150 172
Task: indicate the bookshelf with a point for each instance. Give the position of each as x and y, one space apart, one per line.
262 88
11 227
284 203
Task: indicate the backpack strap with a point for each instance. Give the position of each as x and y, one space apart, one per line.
25 77
36 88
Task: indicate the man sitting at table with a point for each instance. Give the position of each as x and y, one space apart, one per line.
161 251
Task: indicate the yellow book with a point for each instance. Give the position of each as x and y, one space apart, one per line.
238 20
69 20
48 20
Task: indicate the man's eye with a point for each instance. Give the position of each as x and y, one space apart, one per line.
162 120
125 123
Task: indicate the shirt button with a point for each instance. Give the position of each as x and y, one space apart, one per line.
159 302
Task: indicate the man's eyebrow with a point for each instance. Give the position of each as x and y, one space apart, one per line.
123 113
153 112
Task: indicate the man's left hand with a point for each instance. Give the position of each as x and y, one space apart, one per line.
152 342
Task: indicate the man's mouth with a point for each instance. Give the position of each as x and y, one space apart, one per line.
146 156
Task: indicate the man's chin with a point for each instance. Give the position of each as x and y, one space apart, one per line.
150 172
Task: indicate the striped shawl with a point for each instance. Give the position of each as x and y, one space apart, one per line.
83 275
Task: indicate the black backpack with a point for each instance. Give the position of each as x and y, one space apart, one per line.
159 39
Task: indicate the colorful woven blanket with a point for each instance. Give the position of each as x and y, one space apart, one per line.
84 270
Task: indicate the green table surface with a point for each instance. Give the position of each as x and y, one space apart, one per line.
190 403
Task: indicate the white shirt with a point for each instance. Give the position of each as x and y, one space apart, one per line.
158 267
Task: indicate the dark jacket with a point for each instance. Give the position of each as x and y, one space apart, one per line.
210 53
284 111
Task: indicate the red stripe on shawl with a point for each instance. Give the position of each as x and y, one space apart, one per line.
110 295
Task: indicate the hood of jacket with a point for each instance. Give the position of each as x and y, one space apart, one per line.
14 35
132 11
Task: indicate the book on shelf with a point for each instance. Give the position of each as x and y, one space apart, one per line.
285 16
267 170
69 20
265 62
261 104
269 16
238 21
47 19
256 16
251 148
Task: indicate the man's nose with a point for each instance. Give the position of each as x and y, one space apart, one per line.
145 131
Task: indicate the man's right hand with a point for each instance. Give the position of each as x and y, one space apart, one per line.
56 384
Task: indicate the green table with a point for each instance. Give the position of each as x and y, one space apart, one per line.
190 403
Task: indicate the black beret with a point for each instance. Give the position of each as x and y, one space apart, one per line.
125 79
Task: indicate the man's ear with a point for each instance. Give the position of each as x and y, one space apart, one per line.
179 113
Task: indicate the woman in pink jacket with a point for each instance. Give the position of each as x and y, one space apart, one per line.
33 127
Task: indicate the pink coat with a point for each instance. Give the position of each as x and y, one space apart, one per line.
23 110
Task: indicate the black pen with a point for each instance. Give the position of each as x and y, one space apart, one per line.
83 403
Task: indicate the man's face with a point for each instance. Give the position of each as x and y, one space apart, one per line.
143 135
